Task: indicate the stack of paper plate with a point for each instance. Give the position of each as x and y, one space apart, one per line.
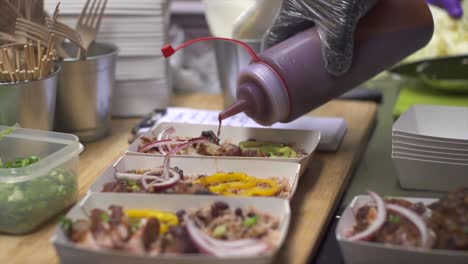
139 29
430 147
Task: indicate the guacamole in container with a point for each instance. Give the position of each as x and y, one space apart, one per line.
38 177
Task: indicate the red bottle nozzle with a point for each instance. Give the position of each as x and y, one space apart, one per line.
236 108
168 50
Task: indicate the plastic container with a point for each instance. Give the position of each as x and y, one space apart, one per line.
362 252
71 253
31 195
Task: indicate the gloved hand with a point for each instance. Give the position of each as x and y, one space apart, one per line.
453 7
336 21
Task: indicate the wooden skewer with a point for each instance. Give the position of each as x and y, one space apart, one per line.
35 72
25 76
6 76
7 63
39 55
17 75
17 58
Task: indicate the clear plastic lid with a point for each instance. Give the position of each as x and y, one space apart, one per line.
52 149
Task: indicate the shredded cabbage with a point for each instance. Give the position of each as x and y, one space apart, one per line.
450 36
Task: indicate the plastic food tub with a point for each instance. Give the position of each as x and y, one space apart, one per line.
31 195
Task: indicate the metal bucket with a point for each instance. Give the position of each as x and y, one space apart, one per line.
230 59
85 92
30 104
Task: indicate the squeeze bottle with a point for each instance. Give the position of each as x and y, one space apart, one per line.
289 79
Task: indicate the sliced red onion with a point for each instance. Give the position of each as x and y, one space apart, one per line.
416 220
165 134
135 176
219 248
169 182
161 183
128 176
176 149
377 223
158 143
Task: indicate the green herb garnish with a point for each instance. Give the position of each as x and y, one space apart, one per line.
465 229
7 132
131 182
66 225
219 231
20 162
251 221
105 217
395 219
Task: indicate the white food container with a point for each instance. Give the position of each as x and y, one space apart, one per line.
412 154
430 174
443 123
429 142
202 166
440 151
371 253
305 140
70 253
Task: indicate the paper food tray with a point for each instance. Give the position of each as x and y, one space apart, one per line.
306 140
203 166
371 253
70 253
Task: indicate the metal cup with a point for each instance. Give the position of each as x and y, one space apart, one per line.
30 104
231 58
85 91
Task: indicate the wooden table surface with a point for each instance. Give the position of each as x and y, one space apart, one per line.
312 206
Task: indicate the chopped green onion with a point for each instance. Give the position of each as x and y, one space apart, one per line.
395 219
33 159
219 231
251 221
7 132
105 217
465 229
67 225
131 182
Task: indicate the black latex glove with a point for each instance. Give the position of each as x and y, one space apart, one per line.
336 21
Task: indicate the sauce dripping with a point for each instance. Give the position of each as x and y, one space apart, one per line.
220 121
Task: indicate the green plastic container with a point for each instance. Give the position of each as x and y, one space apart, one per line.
31 195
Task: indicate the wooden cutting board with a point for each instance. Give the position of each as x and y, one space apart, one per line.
319 189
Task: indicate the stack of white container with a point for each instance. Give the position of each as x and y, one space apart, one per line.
430 148
139 29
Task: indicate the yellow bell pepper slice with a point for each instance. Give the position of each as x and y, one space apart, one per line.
166 219
272 189
229 184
